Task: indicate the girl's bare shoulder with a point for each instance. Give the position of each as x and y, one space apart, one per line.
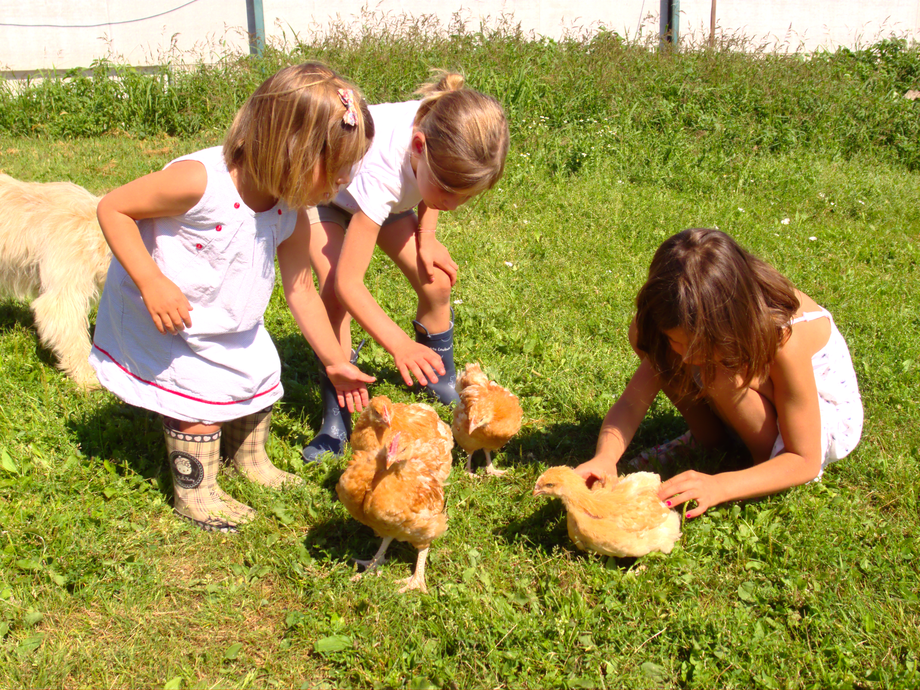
807 337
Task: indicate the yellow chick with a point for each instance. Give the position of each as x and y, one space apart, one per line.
486 417
622 519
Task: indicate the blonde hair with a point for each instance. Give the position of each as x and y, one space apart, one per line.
734 307
466 134
293 122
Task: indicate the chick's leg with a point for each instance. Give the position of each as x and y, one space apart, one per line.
378 559
490 468
417 581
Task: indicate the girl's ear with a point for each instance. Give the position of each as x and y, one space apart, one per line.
417 145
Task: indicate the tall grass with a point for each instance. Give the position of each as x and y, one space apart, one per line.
701 106
810 161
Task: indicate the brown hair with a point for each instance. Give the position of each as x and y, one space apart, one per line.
293 122
734 308
466 134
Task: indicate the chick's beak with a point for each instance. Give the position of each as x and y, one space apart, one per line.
538 490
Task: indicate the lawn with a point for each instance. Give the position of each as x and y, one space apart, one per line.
812 163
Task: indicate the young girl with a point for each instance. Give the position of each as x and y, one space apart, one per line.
736 348
180 324
435 154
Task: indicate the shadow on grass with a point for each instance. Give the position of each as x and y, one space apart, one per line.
128 437
15 314
345 540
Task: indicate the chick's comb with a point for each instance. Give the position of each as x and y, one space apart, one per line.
350 117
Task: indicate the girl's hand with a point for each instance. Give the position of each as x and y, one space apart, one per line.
350 384
597 469
168 307
433 255
705 489
418 360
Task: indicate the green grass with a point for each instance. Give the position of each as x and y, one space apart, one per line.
614 149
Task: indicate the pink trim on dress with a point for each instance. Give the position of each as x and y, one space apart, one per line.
183 395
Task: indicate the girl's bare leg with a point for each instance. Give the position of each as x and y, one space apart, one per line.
325 247
397 240
705 426
749 411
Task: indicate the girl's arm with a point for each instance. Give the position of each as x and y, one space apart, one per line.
621 423
795 396
410 357
168 192
431 252
310 314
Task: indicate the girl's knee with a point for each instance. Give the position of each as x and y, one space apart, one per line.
437 291
634 339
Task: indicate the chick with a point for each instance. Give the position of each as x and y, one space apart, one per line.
486 417
622 519
394 483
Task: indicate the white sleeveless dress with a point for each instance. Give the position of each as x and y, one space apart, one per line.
221 254
838 395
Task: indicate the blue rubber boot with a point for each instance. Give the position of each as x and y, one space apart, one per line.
336 427
445 390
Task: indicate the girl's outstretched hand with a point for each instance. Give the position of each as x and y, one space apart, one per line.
420 361
705 489
432 255
168 307
350 385
598 468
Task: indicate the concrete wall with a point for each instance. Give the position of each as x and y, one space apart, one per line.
63 34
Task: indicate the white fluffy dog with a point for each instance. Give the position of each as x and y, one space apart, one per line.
52 252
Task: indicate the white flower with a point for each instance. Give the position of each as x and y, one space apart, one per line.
812 238
458 301
526 221
785 221
859 201
741 209
509 264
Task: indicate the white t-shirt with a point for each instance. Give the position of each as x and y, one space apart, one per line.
385 182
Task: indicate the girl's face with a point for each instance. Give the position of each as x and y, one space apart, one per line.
680 342
321 189
432 194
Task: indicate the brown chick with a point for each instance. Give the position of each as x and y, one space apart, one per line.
394 483
625 519
486 417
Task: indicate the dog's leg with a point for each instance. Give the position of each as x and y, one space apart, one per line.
63 327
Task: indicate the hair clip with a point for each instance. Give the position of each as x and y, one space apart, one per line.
350 117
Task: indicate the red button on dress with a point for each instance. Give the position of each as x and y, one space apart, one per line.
236 204
279 211
219 228
197 246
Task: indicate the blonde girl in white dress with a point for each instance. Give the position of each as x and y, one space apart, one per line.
180 326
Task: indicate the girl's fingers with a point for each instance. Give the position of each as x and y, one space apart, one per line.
696 512
417 372
429 371
404 372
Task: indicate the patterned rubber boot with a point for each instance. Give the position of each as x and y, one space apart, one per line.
194 460
244 444
336 427
445 390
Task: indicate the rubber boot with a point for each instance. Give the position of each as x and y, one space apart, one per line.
194 460
244 444
445 390
336 426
